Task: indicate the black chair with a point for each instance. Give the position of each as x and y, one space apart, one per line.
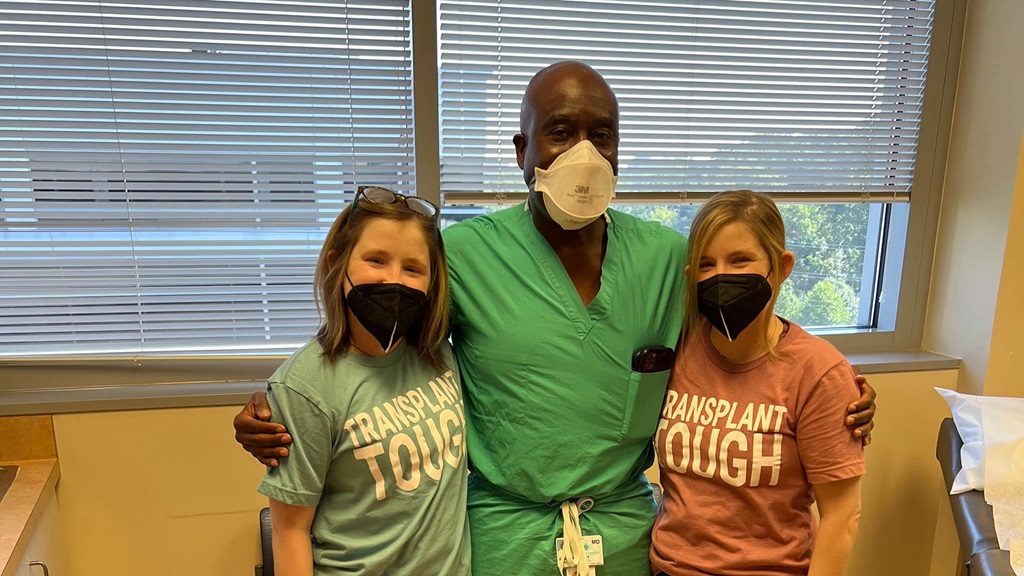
266 543
971 514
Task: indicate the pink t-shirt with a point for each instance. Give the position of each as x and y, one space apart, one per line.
739 447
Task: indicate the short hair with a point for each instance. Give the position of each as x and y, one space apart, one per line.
759 212
334 334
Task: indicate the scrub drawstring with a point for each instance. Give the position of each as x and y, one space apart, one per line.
573 553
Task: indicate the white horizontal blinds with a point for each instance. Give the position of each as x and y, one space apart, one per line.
776 96
169 170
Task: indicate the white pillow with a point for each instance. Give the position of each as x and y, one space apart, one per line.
966 411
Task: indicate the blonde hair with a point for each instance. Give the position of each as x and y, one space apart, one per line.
334 333
757 211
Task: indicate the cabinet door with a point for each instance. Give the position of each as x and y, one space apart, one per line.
47 543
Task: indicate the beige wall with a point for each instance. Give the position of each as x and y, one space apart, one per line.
166 492
1007 350
157 492
904 502
978 194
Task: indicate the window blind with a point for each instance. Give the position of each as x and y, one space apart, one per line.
805 100
168 170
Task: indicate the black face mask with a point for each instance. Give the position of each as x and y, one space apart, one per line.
387 311
730 302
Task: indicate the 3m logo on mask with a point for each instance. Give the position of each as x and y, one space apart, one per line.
583 197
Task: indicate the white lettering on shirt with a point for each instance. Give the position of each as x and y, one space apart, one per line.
712 437
411 436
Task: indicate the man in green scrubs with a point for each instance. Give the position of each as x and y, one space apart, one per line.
545 324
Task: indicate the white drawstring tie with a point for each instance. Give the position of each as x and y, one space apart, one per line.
573 552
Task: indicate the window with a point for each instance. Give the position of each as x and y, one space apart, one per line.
819 104
169 171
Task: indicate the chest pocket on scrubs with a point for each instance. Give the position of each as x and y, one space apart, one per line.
644 396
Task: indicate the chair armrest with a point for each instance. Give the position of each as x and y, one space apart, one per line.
990 563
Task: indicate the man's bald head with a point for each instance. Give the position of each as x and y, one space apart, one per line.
543 81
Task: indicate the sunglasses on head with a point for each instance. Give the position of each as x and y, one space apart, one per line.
381 195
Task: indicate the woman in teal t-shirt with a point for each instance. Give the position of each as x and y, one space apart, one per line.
375 482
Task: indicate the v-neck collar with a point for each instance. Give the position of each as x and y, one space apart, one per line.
584 318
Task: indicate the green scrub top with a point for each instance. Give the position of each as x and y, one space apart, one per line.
554 411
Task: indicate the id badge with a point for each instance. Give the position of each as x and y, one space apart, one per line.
593 546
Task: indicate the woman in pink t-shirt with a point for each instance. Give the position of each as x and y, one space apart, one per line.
751 433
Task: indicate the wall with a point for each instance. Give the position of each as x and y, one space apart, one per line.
972 252
904 505
1007 350
165 492
157 492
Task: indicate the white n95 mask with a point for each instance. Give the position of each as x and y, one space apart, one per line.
577 187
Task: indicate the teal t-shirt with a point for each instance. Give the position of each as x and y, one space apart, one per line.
553 409
379 448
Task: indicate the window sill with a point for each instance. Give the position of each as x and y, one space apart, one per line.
129 395
901 361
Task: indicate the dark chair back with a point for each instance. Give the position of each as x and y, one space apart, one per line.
266 542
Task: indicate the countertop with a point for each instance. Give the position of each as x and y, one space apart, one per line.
21 508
